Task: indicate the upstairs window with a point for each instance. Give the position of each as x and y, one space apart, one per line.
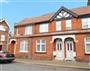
86 23
58 26
2 37
43 28
2 28
28 30
68 25
87 45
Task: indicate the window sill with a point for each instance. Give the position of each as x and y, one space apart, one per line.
41 52
87 53
43 32
24 51
28 34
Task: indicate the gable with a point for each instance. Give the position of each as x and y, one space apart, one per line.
4 23
63 13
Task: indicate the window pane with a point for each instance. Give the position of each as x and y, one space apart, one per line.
87 39
28 30
70 46
43 41
87 47
38 41
68 24
60 46
43 28
2 37
58 25
23 45
86 23
38 47
26 45
2 28
43 48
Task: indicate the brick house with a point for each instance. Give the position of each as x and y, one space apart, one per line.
63 35
4 35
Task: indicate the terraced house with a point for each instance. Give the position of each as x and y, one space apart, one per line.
63 35
4 35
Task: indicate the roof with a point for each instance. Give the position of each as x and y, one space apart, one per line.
79 11
34 20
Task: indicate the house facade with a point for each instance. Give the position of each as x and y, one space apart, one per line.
4 35
63 35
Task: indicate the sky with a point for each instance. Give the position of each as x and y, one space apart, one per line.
16 10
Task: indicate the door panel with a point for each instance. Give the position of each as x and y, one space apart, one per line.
59 50
69 50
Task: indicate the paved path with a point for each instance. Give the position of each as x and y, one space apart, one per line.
71 64
34 67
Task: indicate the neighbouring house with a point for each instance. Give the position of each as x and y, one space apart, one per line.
63 35
4 35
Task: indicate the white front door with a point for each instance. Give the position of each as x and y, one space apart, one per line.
69 50
59 50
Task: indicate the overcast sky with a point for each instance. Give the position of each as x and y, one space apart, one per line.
16 10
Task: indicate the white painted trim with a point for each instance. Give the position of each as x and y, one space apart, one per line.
58 25
61 51
12 40
63 37
40 45
43 28
85 45
23 51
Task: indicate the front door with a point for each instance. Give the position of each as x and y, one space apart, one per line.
59 50
69 50
0 47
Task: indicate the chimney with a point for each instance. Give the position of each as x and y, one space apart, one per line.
88 3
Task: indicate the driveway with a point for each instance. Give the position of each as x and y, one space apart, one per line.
34 67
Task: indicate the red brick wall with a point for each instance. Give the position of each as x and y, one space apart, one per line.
76 25
49 49
80 48
79 45
21 30
32 49
6 33
24 54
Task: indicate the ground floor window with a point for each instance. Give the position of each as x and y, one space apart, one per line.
23 46
87 45
40 46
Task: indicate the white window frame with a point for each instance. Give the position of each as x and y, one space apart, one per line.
24 46
58 25
85 23
2 28
68 24
28 30
43 28
40 44
2 37
85 45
